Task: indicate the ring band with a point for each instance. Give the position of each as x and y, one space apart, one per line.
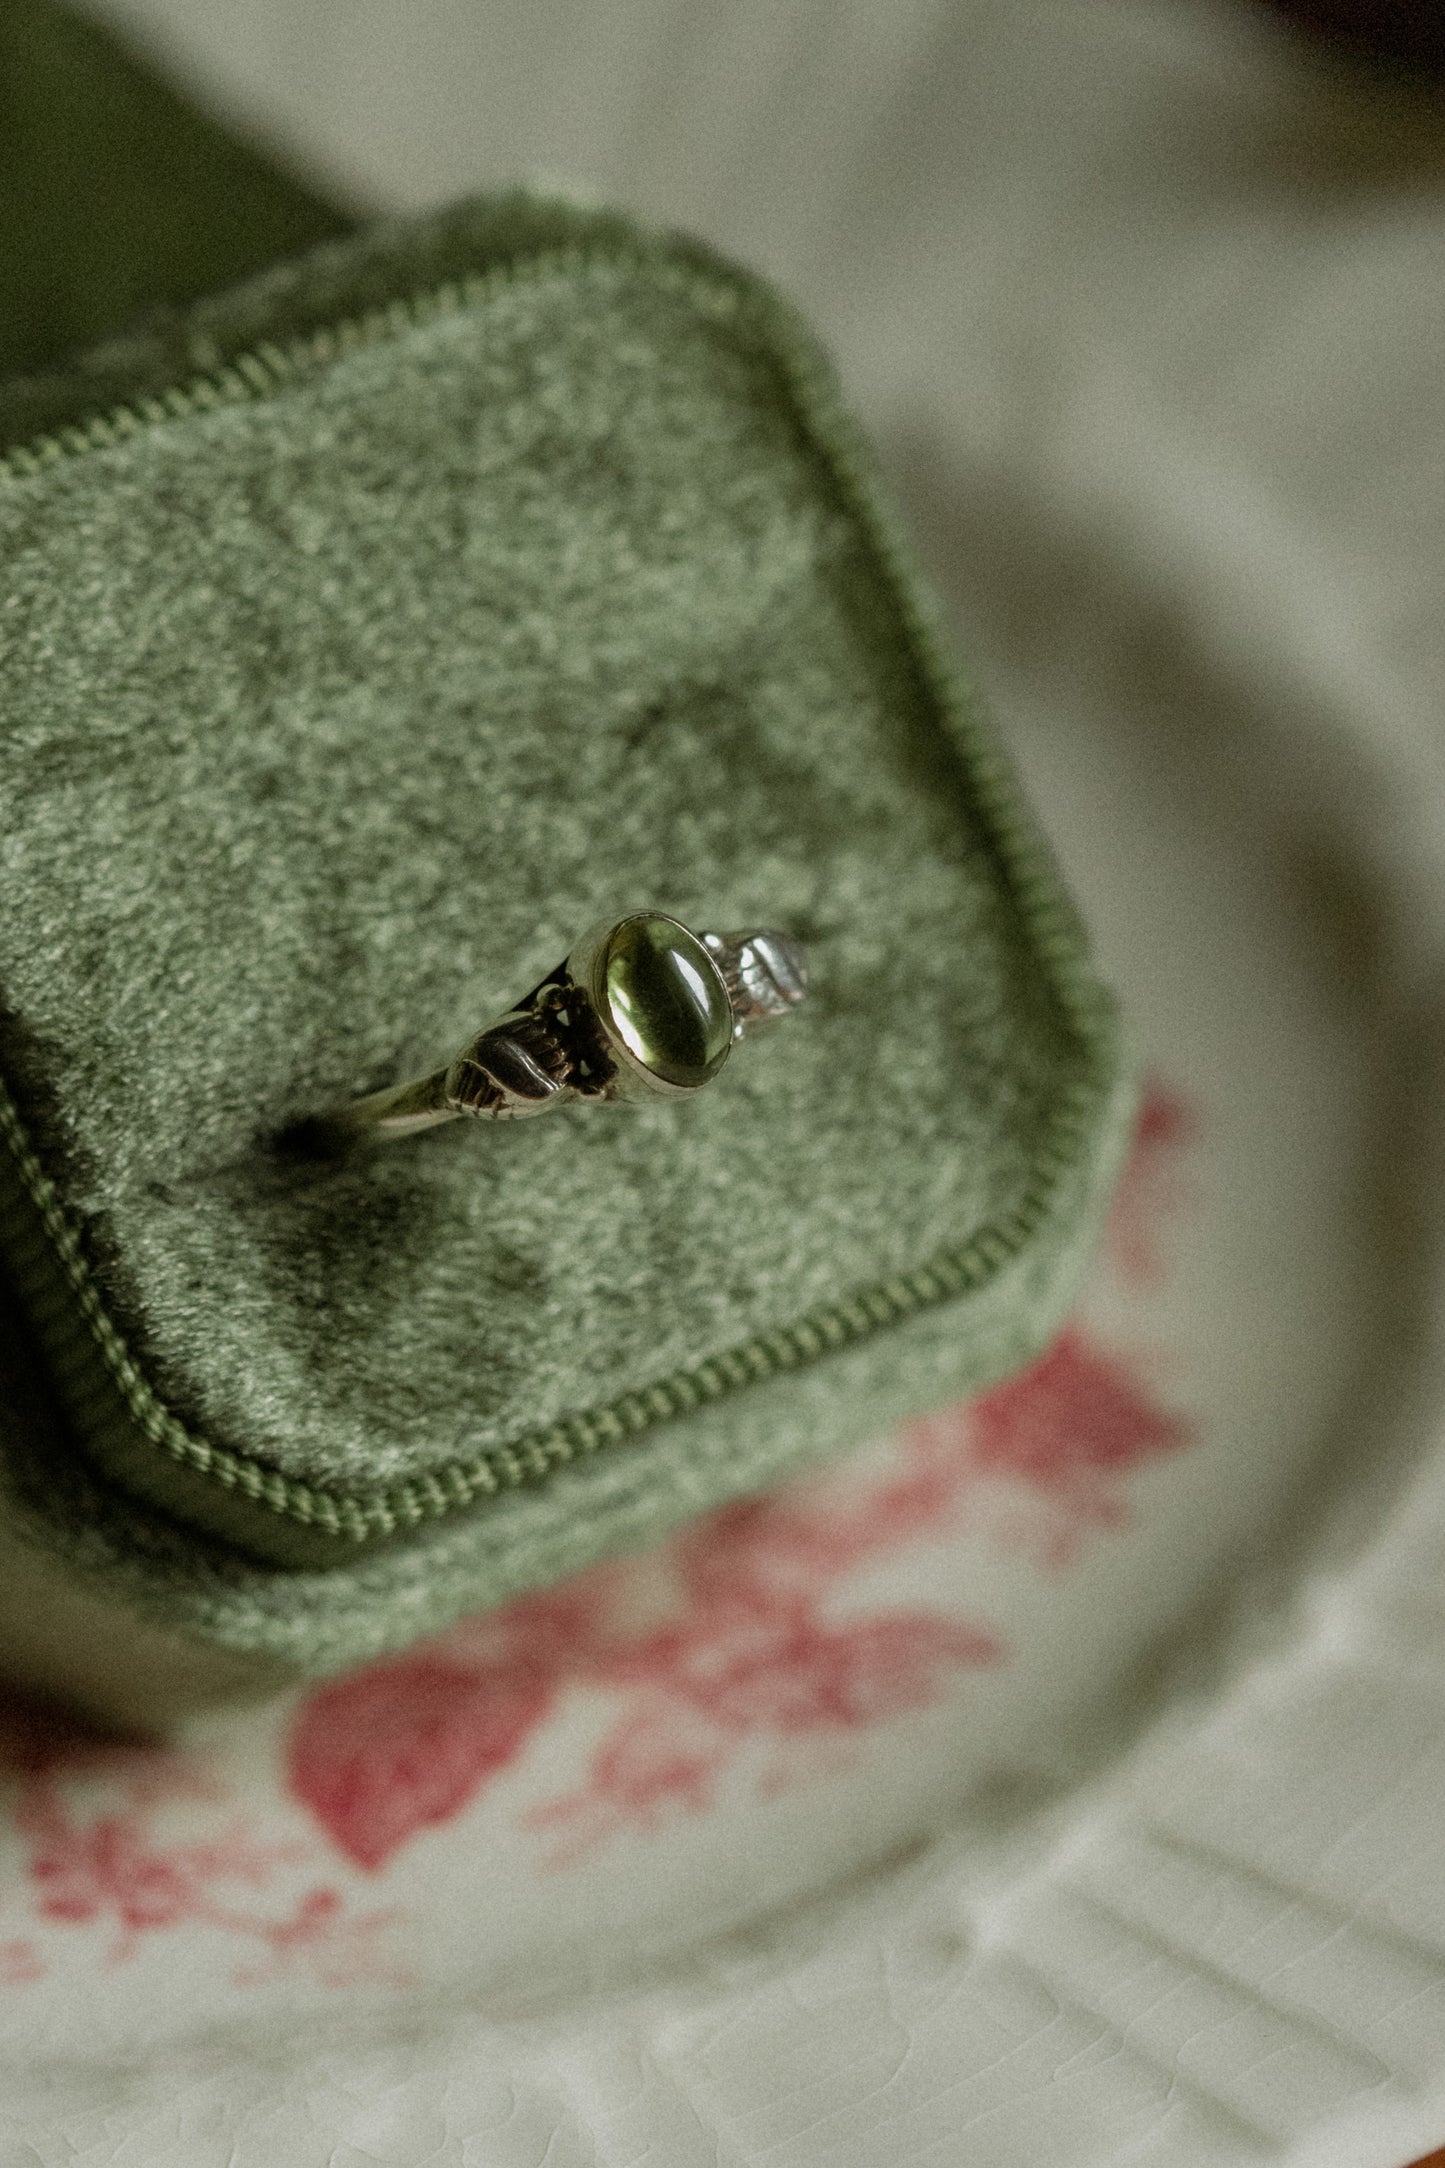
641 1008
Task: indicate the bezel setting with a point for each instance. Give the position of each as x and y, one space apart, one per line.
588 969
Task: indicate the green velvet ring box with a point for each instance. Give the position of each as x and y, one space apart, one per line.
384 624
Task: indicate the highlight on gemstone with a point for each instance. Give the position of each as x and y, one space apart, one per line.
666 1000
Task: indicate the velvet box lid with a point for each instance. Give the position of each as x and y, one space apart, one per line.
392 619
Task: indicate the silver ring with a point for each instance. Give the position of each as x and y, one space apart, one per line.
642 1008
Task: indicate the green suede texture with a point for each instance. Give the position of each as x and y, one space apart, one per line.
335 703
117 197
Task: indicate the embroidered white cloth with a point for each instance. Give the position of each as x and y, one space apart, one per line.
1062 1780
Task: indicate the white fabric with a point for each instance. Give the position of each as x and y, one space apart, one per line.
1064 1782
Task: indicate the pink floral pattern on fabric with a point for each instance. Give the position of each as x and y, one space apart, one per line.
1153 1188
743 1654
92 1815
1067 1430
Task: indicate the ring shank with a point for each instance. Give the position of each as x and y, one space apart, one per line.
400 1111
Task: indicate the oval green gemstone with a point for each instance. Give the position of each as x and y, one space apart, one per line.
666 1000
